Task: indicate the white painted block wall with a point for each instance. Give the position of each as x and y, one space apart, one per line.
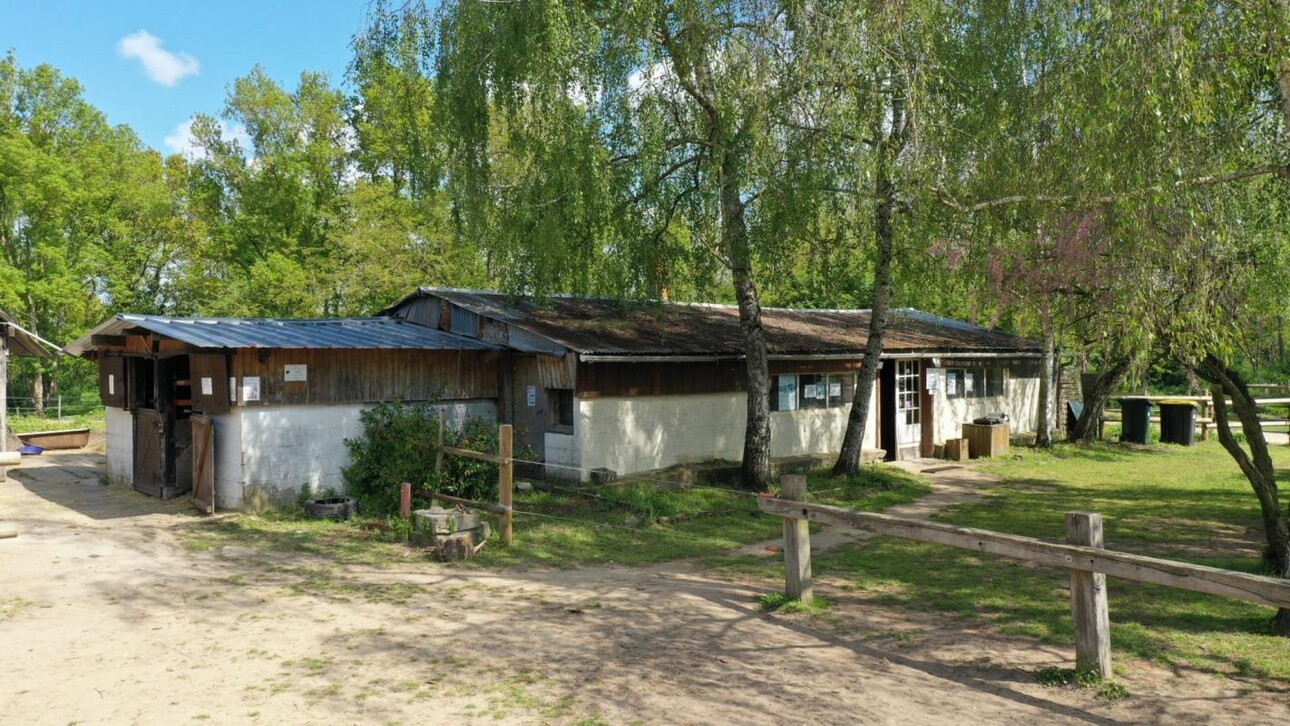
1020 401
120 445
284 448
653 432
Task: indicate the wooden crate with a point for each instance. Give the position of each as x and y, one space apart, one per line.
957 449
986 440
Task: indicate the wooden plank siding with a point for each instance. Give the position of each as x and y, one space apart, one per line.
112 395
785 367
366 376
215 367
599 380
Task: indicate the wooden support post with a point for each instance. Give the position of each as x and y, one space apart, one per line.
405 500
505 474
797 542
1088 599
438 455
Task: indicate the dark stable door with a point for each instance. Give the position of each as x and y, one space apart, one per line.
149 460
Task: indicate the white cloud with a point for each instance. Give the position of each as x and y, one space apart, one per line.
182 141
160 64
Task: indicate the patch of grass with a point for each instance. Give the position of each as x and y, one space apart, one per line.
611 523
11 606
1054 677
567 527
779 602
874 488
360 540
1185 503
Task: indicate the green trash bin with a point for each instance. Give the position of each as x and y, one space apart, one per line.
1135 420
1177 422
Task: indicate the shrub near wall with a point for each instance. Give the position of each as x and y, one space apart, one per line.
399 444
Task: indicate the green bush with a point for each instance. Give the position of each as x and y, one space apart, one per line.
399 444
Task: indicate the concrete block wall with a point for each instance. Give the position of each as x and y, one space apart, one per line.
1020 401
653 432
120 445
284 448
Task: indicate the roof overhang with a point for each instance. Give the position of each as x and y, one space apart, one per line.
20 341
222 334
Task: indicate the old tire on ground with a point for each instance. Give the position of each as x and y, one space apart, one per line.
337 508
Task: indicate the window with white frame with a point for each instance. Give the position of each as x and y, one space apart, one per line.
973 382
805 391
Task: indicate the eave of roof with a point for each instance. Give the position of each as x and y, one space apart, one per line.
333 333
23 342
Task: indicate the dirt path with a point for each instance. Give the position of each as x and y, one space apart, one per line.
105 618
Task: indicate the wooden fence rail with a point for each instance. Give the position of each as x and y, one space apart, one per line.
505 475
1082 556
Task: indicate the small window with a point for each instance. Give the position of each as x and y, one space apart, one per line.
811 391
994 382
954 383
783 393
561 401
973 382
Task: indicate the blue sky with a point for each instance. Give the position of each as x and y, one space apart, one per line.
185 58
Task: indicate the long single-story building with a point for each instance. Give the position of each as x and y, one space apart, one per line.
587 383
602 384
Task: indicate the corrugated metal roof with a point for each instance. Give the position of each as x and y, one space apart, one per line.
22 341
352 333
615 327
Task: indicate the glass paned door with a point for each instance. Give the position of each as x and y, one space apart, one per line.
908 421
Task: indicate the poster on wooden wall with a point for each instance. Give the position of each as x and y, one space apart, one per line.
251 388
295 373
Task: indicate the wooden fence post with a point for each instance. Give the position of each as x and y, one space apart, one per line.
405 500
505 474
797 542
1088 599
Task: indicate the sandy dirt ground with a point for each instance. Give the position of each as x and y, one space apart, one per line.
106 619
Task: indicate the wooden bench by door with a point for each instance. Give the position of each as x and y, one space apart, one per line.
203 463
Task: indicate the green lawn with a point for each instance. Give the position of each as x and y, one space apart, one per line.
612 524
624 524
1183 503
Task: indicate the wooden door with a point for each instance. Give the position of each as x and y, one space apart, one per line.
203 463
149 457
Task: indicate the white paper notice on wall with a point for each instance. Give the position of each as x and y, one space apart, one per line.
251 388
111 384
531 395
933 379
208 387
232 389
295 373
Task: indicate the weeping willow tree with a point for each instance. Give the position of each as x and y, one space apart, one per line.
633 149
